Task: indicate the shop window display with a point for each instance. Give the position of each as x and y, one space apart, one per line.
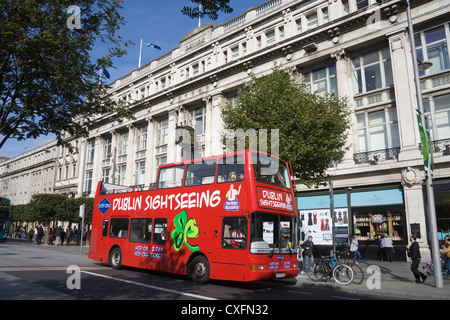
371 225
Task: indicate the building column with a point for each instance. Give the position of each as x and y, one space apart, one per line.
415 208
150 152
113 157
171 137
344 76
218 101
405 95
130 156
82 167
97 165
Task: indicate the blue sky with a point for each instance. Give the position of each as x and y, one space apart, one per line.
154 21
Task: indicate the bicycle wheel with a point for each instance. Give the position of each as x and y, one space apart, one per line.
358 274
343 274
315 272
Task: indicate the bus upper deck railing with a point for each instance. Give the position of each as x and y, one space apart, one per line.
115 189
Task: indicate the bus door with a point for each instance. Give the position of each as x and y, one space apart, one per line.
234 246
101 239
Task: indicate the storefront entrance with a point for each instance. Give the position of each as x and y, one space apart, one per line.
368 213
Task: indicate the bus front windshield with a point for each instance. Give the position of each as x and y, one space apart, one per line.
271 233
271 170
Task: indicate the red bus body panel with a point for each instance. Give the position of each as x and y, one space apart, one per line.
194 226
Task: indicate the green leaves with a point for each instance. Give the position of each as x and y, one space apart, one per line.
313 128
184 229
210 8
48 79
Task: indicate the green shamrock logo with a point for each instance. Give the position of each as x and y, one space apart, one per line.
184 229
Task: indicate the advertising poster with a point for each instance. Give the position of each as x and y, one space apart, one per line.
318 224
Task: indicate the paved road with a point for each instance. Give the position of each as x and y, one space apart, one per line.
31 272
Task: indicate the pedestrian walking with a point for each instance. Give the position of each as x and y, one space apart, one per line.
445 251
69 235
62 235
30 235
300 255
414 254
40 234
307 247
381 254
57 236
354 247
388 246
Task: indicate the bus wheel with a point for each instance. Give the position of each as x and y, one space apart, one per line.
115 258
200 269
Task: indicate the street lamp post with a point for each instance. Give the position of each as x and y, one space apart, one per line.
432 225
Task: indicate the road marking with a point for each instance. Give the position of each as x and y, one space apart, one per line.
191 295
41 268
344 298
300 292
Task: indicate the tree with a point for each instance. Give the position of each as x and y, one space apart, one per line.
210 8
47 79
312 127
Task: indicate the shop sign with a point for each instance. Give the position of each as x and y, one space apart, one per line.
377 218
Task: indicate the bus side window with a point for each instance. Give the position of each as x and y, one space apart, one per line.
159 234
105 228
230 169
119 228
141 230
234 233
171 177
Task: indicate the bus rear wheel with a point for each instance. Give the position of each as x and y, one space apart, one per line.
199 270
115 258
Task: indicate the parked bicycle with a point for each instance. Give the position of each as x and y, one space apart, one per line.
344 257
325 268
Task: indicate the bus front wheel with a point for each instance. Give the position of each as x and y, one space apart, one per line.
199 269
115 258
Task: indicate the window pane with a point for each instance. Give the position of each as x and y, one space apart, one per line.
200 173
373 77
160 233
234 233
171 177
435 35
118 228
372 57
141 230
230 169
438 55
357 82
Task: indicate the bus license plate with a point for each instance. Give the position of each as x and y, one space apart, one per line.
280 275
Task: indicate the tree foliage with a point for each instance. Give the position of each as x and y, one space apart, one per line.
312 127
44 208
210 9
48 80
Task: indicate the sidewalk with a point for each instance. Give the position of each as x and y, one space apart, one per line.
396 281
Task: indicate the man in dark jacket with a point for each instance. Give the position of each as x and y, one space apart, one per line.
414 254
307 247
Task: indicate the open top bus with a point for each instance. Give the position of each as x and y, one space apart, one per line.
227 217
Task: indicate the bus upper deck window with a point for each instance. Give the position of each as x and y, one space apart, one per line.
231 169
171 177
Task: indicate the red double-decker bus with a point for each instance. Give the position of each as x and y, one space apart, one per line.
227 217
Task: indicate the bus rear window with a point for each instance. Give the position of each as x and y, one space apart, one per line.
270 170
